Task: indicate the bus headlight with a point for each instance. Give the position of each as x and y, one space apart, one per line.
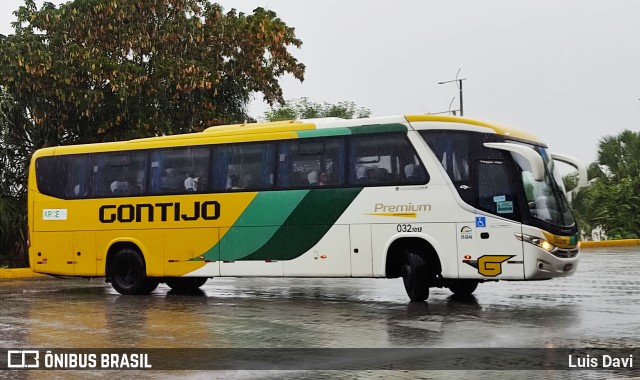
537 242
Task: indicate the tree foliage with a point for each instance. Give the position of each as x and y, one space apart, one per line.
103 70
612 200
13 215
303 108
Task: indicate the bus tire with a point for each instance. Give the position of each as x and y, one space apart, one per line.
414 276
128 274
463 287
151 285
185 284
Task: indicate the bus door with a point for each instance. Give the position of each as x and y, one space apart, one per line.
498 253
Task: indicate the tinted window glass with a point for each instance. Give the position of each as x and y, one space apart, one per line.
65 177
243 166
175 171
311 162
496 194
119 174
452 149
457 151
384 160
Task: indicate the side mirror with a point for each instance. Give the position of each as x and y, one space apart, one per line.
532 157
582 170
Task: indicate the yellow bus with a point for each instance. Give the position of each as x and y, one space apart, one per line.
437 200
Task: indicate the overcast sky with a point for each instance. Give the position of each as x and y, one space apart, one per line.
567 71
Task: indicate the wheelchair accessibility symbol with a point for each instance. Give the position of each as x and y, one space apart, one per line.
481 221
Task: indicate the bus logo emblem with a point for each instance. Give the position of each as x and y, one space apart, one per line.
489 265
23 359
466 233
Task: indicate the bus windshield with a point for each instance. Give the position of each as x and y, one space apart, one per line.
546 199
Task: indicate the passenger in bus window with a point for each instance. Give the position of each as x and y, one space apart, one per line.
80 190
323 180
234 183
361 174
313 178
381 175
119 187
232 179
373 175
410 173
191 183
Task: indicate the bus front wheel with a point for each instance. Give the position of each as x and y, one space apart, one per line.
128 275
463 287
414 276
185 284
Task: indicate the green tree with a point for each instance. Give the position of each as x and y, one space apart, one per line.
103 70
621 154
612 200
12 194
303 108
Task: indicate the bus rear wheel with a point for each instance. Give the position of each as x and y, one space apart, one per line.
414 276
128 275
185 284
463 287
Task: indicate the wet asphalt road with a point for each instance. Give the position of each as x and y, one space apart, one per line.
597 307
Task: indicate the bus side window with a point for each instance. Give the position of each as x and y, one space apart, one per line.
119 174
452 150
50 178
311 162
384 160
179 170
247 166
66 177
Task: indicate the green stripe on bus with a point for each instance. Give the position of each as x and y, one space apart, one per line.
324 132
256 225
307 224
358 130
379 128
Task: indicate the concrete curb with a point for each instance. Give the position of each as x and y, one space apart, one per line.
610 243
18 273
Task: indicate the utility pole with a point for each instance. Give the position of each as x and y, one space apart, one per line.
459 84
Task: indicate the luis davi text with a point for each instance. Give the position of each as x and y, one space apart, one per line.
603 361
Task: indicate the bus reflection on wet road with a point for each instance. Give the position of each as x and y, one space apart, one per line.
598 307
